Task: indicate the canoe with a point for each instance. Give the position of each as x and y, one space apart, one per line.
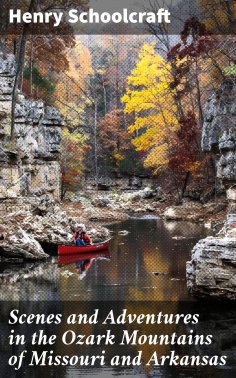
72 258
73 249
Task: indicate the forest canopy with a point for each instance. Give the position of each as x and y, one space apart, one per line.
132 104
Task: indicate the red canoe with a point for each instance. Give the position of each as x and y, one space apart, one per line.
73 249
72 258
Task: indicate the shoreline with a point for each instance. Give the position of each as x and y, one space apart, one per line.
23 233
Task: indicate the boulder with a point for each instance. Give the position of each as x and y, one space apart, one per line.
146 193
138 195
231 193
101 202
212 269
174 213
159 195
23 233
20 244
135 182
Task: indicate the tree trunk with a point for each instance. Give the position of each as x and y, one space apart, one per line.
185 184
177 188
201 118
63 192
20 64
21 81
104 95
95 144
31 66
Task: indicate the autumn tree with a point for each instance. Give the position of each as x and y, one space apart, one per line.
72 93
218 16
46 54
150 99
114 137
163 129
199 62
50 43
184 159
112 60
72 154
72 98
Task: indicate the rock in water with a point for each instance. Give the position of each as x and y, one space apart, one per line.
20 244
173 213
212 270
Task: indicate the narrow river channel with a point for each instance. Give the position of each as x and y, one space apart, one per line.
144 266
146 261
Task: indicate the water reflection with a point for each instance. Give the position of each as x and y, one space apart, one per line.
82 261
147 261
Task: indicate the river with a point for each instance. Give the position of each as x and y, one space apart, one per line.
146 261
144 269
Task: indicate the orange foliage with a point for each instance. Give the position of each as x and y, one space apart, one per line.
113 134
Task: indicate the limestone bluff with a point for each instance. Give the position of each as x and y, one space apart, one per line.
212 269
30 175
29 164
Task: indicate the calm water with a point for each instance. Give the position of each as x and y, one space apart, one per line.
146 262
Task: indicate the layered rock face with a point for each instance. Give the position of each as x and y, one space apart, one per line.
219 131
29 165
30 175
212 270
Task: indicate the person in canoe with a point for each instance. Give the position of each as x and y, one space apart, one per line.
79 242
81 237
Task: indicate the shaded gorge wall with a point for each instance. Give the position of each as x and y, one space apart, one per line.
212 270
29 162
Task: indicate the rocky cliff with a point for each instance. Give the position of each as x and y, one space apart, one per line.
212 270
219 130
29 164
30 175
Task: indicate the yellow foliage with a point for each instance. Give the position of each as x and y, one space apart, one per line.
150 98
194 166
118 157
